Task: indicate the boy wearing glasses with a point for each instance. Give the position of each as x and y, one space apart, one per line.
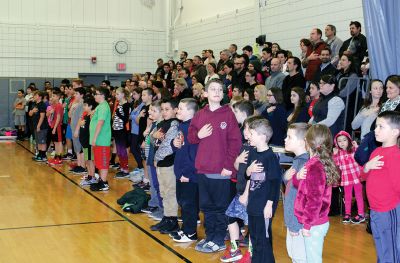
100 138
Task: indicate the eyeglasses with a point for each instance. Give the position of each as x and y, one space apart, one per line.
216 90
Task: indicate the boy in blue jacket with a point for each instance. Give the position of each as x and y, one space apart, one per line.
187 191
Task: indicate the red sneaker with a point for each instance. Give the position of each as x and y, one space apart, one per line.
56 162
246 258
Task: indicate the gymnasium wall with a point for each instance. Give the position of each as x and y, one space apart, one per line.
283 21
57 38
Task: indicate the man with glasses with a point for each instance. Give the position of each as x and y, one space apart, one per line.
239 72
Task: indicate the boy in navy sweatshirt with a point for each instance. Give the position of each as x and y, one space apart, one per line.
187 191
265 177
216 131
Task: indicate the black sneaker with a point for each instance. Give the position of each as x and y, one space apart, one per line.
122 175
170 226
73 158
100 186
67 156
149 209
78 170
160 224
40 159
346 219
114 165
358 219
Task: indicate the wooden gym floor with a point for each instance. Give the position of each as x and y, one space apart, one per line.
46 217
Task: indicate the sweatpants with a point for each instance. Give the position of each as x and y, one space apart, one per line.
167 180
155 197
262 245
315 243
135 150
188 199
386 232
295 247
348 196
121 138
215 197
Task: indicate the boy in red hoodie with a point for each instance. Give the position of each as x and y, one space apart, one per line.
383 187
216 131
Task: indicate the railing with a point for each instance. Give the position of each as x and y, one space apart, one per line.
361 89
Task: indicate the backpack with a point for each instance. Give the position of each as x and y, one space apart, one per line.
134 201
367 146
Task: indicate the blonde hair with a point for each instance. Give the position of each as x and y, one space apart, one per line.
263 92
182 82
138 76
199 87
125 92
319 140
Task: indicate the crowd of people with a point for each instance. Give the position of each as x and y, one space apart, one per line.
201 134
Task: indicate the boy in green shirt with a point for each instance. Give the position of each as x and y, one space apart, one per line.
100 138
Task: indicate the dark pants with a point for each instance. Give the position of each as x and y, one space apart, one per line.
262 246
386 232
135 150
215 197
187 195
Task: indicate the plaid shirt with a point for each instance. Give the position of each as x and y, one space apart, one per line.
350 170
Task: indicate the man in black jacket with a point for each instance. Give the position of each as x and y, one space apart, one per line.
326 67
356 45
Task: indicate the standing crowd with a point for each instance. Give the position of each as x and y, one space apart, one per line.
204 137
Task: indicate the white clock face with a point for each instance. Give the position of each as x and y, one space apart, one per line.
121 47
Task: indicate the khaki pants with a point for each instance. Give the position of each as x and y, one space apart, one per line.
167 180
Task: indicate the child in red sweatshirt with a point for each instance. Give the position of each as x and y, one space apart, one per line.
216 131
383 187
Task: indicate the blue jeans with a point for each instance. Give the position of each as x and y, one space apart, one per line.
155 197
315 243
386 232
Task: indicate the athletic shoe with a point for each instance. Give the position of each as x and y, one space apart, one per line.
211 247
175 234
231 256
358 219
135 177
170 226
73 158
86 182
200 245
346 219
55 162
79 170
157 226
144 186
157 214
149 209
40 159
100 186
184 238
114 166
137 171
67 156
122 175
246 258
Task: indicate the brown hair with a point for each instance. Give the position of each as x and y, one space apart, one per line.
277 92
319 141
302 103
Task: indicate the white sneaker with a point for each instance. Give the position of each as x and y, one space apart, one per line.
135 178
